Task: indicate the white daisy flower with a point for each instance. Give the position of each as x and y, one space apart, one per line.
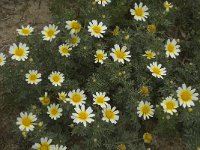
62 96
26 121
172 49
110 114
119 54
100 56
25 31
64 50
100 99
140 12
58 147
169 105
96 29
103 2
44 145
50 32
45 100
82 115
54 111
186 96
74 41
145 110
156 70
56 78
74 26
2 59
20 53
33 77
76 97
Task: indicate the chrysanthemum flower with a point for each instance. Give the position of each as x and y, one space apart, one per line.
172 49
25 31
169 105
50 32
110 114
76 97
96 29
186 96
82 115
120 54
74 26
103 2
45 100
20 53
145 110
100 99
33 77
26 121
64 50
156 70
167 5
100 56
58 147
44 145
56 78
74 41
151 28
62 96
54 111
140 12
147 137
149 54
2 59
144 91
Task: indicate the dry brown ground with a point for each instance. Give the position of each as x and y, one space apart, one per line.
13 14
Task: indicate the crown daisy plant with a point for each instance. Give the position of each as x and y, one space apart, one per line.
25 31
145 110
49 32
186 96
100 99
149 54
74 40
172 49
54 111
100 56
110 114
56 78
74 26
76 97
120 54
45 100
33 77
103 2
82 115
45 144
156 70
64 50
167 6
26 121
20 52
96 29
2 59
170 105
140 12
62 96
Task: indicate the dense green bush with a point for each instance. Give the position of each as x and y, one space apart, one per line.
125 84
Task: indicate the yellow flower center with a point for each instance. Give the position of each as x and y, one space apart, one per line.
120 54
19 52
26 121
44 146
171 48
50 32
76 26
100 56
54 111
33 77
76 98
62 97
156 70
167 5
97 29
170 105
74 40
1 60
147 137
65 50
83 115
151 28
110 114
139 12
100 99
46 100
25 31
186 95
145 110
56 78
144 91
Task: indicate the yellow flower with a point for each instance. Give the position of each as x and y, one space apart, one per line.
25 31
169 105
144 91
147 137
64 50
62 96
145 110
115 32
100 56
96 29
2 59
54 111
121 147
20 53
100 99
167 5
76 97
140 12
156 70
56 78
45 100
33 77
50 32
149 54
110 114
151 28
74 26
44 145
